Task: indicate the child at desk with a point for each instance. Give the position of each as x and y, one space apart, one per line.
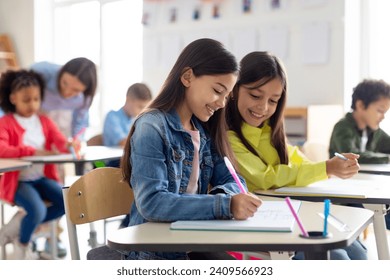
117 124
173 156
254 114
359 132
25 132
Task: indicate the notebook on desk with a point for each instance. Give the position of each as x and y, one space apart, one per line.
332 187
271 216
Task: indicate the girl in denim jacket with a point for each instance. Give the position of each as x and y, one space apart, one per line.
174 152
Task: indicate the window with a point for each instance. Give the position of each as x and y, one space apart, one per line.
109 32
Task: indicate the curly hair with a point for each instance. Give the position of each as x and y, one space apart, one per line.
14 80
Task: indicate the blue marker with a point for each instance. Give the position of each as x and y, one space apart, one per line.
326 214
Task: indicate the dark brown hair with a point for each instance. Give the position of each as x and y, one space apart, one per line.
84 70
259 68
205 57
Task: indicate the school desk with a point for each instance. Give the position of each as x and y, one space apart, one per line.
91 154
159 236
374 200
379 169
7 165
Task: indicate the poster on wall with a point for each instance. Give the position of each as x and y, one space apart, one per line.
275 39
315 42
244 41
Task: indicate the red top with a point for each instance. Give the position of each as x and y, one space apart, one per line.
12 146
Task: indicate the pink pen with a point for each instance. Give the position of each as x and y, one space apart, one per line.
229 165
304 232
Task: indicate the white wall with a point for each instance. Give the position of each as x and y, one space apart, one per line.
17 20
309 83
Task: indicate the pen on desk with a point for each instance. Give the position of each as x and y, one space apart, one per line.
326 214
340 156
229 165
304 232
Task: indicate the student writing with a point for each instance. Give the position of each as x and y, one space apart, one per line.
117 124
359 132
25 132
174 153
254 114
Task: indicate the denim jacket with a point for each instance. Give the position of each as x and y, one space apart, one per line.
161 158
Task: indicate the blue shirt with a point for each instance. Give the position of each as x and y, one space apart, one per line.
161 157
54 102
116 127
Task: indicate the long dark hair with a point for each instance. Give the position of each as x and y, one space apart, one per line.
260 68
84 70
205 57
14 80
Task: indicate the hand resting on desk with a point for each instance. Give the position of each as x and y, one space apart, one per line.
244 206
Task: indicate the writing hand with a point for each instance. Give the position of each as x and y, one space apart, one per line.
244 206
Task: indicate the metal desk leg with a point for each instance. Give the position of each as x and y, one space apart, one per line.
310 255
382 244
92 241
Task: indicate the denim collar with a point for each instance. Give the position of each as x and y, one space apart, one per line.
174 122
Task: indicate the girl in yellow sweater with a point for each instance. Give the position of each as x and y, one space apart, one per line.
254 115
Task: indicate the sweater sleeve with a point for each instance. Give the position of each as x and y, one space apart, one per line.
261 175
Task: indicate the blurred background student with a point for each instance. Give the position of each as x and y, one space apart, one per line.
25 132
117 124
359 132
70 89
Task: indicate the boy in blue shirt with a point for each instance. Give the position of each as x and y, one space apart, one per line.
117 124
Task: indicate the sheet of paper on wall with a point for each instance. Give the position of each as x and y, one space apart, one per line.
271 216
315 42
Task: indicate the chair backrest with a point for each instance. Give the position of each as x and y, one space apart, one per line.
96 140
97 195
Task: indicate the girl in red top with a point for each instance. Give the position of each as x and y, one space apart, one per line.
25 132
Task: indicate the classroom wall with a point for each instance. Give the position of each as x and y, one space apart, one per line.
315 83
17 20
309 38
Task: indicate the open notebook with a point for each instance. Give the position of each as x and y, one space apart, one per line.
332 187
271 216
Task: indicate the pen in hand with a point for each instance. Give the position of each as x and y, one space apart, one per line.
340 156
229 165
326 214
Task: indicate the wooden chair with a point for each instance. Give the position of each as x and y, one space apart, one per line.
96 140
97 195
